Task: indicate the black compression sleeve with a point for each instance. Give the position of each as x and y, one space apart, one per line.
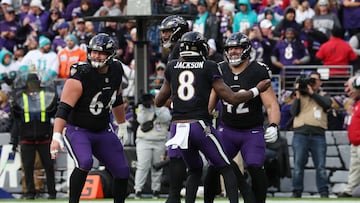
63 111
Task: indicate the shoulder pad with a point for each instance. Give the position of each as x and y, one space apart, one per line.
263 65
266 67
80 68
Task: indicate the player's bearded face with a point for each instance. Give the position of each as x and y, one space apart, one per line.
234 55
98 58
165 36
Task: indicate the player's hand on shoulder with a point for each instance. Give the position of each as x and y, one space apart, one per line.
263 85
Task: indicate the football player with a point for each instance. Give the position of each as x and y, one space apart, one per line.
189 81
172 28
91 92
241 126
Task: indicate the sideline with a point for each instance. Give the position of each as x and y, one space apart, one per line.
147 200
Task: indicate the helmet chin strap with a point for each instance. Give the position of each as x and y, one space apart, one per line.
167 44
97 64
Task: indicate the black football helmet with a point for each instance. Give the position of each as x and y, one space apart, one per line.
238 39
177 25
101 42
193 44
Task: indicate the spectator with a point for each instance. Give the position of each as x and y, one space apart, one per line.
5 115
289 51
286 100
157 78
85 9
325 20
38 17
54 21
214 55
259 45
336 52
70 7
304 11
310 122
41 59
31 42
71 54
59 41
24 9
113 29
354 42
8 70
150 144
122 5
82 34
129 73
107 9
269 41
109 6
4 5
226 18
351 16
283 3
287 22
19 52
58 5
206 23
245 18
269 15
9 28
178 7
312 39
35 130
130 48
273 8
352 89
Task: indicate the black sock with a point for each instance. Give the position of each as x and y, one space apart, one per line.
177 175
230 184
192 184
120 190
77 182
245 189
212 185
259 183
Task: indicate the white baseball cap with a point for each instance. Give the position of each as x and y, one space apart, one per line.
37 3
8 2
265 24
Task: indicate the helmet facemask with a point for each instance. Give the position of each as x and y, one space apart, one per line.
241 41
101 43
100 64
236 59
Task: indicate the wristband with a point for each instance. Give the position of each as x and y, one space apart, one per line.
58 137
255 91
273 125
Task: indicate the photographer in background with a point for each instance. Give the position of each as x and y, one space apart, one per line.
151 136
310 122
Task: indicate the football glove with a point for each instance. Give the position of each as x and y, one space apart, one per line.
271 133
122 132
